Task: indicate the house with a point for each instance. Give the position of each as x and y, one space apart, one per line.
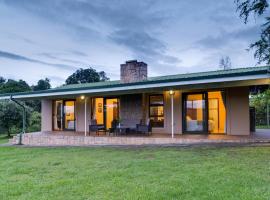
214 102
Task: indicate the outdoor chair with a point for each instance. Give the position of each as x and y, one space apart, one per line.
94 127
145 128
114 126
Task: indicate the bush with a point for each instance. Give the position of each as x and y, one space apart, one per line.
34 122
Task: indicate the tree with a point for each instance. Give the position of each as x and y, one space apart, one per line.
2 80
11 116
12 86
225 63
43 84
257 8
88 75
261 102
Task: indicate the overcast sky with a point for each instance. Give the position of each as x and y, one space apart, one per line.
53 38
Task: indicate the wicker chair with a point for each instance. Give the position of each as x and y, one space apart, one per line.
145 128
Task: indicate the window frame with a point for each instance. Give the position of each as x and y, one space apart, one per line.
156 105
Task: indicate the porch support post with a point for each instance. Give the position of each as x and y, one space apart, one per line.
172 112
85 117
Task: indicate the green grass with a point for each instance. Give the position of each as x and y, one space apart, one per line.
135 173
263 127
4 138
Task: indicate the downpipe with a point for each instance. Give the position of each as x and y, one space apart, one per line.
24 118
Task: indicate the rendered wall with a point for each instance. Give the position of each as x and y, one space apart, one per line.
80 114
237 101
167 129
46 115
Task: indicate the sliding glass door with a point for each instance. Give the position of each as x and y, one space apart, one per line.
105 111
69 115
195 114
64 115
204 112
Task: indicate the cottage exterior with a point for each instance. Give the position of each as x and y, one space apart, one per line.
215 102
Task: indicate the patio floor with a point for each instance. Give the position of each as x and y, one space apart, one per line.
78 139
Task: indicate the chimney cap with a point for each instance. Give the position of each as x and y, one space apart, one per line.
135 61
131 61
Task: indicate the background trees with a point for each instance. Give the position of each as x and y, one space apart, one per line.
257 8
225 63
261 102
88 75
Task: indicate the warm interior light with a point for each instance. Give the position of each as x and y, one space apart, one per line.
171 92
82 97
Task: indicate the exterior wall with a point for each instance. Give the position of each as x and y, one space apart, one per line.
167 113
237 101
131 108
135 107
80 114
46 115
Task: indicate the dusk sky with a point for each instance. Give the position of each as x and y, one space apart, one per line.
53 38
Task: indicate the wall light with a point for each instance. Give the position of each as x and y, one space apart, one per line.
171 92
82 97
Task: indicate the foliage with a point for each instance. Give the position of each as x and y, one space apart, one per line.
12 86
34 122
135 173
11 116
88 75
2 80
257 8
43 84
260 102
225 63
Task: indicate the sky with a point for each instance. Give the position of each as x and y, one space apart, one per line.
54 38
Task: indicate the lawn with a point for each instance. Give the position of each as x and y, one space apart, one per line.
135 173
4 138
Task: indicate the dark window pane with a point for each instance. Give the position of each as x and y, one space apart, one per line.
157 100
156 110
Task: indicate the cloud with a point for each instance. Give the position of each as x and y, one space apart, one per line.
143 45
131 24
12 56
247 35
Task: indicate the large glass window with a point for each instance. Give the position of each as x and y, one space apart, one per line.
205 112
216 112
69 113
156 110
64 115
98 110
195 112
105 111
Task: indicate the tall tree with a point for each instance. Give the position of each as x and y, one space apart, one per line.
42 84
2 80
11 117
12 86
225 63
88 75
257 8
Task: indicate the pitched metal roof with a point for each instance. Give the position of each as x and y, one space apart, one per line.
236 72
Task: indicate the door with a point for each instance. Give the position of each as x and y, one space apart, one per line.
58 115
69 115
111 111
195 113
64 115
105 110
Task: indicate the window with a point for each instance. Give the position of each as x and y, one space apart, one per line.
156 110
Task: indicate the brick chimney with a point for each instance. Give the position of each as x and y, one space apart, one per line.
133 71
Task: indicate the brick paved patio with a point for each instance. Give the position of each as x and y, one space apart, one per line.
78 139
